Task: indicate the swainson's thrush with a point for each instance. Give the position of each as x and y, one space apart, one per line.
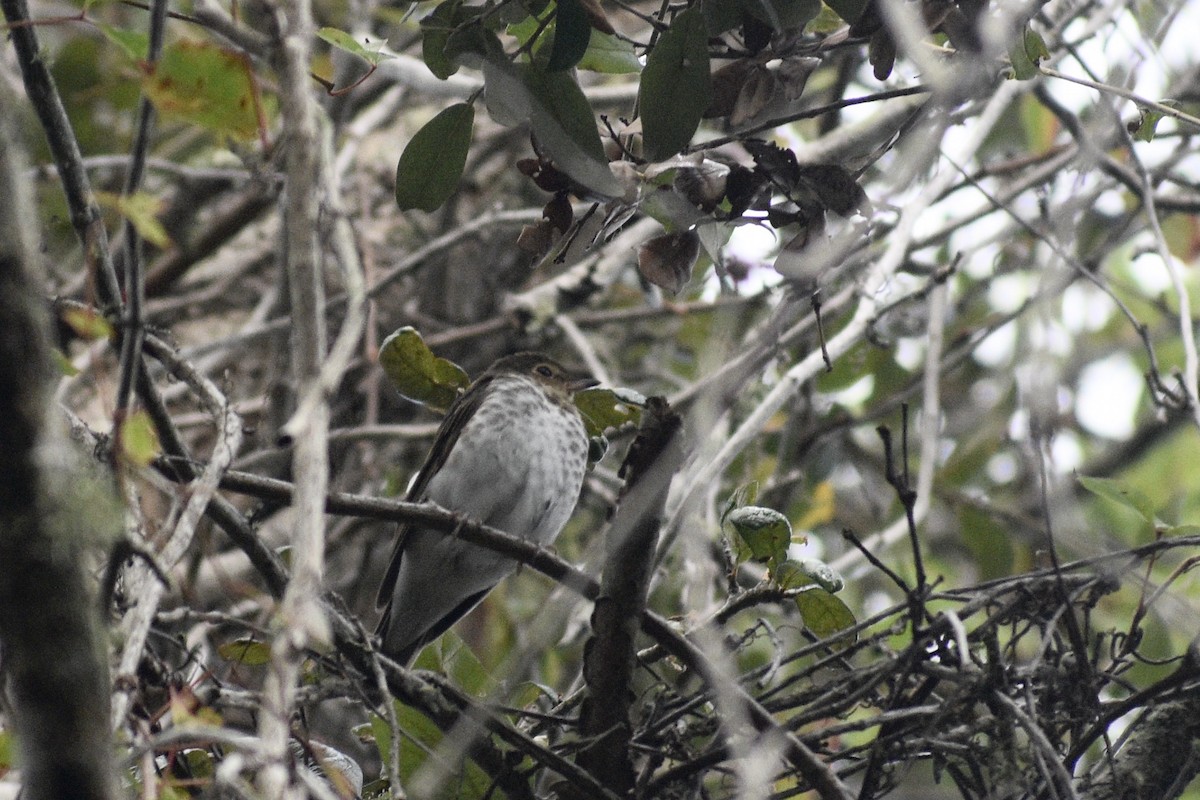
511 453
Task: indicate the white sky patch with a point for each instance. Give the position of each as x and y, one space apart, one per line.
1002 468
857 393
1007 292
909 353
1065 452
1109 393
1150 274
1085 308
755 244
998 348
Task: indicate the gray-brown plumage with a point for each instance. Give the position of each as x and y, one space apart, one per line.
511 453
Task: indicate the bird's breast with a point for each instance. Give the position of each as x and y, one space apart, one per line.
518 464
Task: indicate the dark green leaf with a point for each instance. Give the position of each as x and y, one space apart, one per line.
432 164
435 34
881 52
784 15
723 15
572 31
417 373
561 119
676 87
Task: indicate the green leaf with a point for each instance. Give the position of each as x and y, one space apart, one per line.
135 44
200 765
1026 54
1035 46
88 324
784 15
1121 493
206 85
1180 530
796 574
559 115
426 738
849 10
608 408
1143 130
824 613
435 35
745 494
610 55
344 41
8 751
765 532
989 541
137 439
62 363
142 210
432 164
572 32
249 652
676 87
417 373
723 15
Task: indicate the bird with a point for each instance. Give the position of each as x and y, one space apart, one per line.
511 453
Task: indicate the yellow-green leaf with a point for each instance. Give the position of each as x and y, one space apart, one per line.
344 41
250 652
796 574
88 324
1121 493
417 373
137 439
765 532
205 85
62 363
607 408
824 613
135 44
142 210
608 54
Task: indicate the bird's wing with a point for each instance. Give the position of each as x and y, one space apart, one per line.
453 424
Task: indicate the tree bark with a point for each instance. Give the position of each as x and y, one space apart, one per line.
56 678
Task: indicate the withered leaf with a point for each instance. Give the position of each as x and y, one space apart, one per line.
666 261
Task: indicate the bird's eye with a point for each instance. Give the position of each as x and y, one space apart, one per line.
544 371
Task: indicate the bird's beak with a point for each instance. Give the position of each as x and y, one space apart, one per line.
579 384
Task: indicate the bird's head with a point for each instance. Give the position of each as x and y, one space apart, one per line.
548 373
